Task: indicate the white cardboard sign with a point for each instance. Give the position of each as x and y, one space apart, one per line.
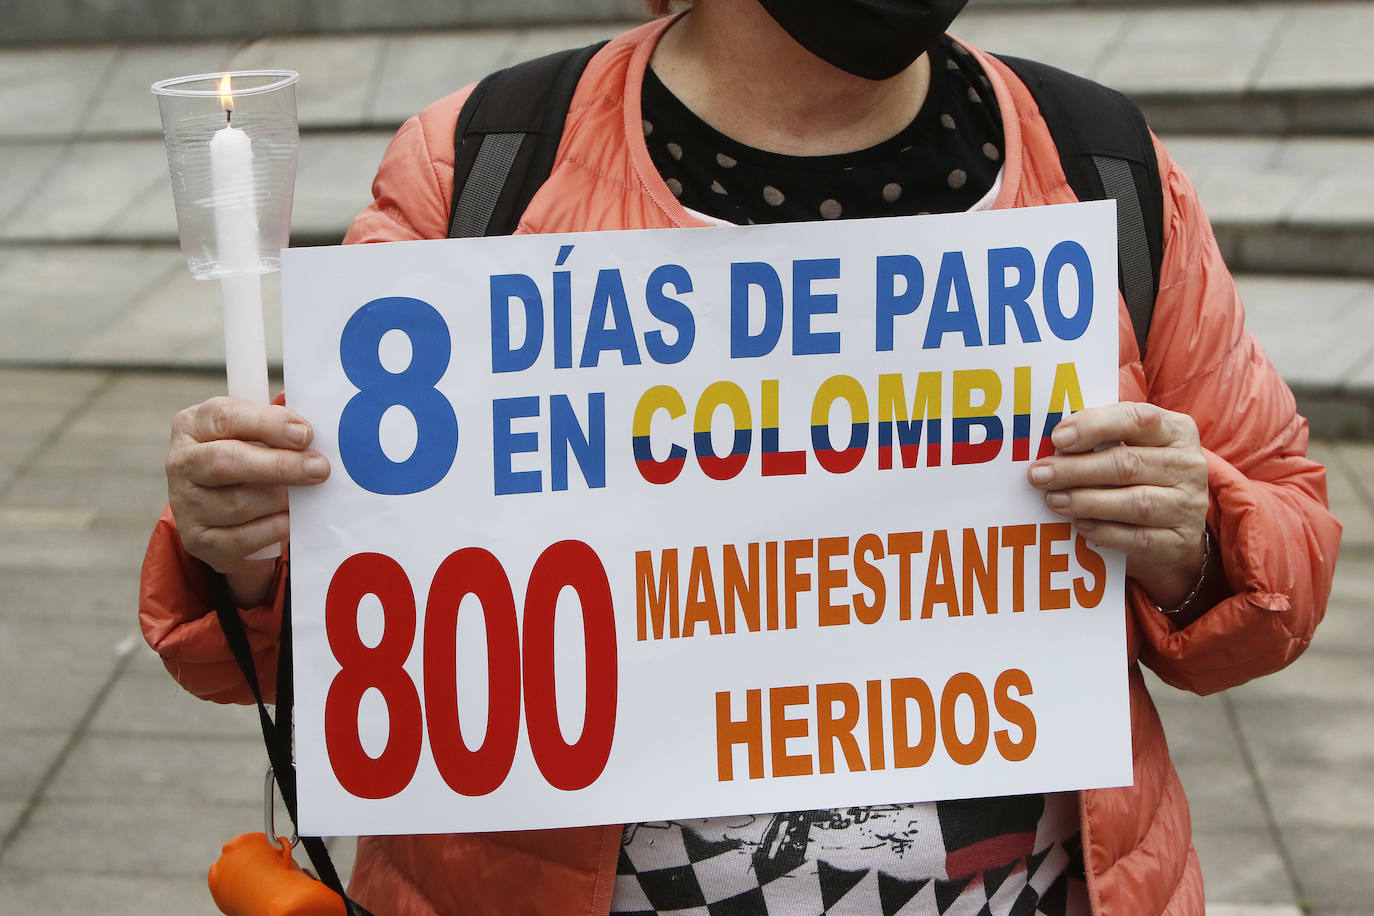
630 526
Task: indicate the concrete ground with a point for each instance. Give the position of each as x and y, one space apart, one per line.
116 788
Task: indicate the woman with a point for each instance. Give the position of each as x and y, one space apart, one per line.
766 110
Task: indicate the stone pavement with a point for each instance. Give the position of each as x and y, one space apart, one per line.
116 788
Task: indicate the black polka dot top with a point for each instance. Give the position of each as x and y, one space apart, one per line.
944 161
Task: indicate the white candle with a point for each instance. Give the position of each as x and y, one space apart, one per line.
236 231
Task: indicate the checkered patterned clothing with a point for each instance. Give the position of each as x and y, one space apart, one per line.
986 857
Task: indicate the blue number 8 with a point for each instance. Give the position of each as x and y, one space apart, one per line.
436 440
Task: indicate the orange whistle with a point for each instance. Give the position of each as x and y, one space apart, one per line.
253 877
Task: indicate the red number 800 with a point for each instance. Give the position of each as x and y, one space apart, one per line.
470 571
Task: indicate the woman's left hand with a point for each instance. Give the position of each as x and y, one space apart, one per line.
1132 476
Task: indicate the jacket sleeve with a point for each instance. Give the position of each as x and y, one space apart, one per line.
1277 540
410 201
179 622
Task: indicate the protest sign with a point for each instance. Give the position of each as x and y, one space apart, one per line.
676 523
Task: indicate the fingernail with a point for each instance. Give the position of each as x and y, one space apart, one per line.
316 467
297 433
1057 500
1064 436
1041 475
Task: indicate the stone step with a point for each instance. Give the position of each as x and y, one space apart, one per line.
71 21
1255 68
1243 68
1299 205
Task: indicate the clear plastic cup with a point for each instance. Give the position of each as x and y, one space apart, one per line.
232 140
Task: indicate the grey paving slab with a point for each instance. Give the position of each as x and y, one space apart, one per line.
125 409
1284 312
148 214
157 770
26 428
148 20
1346 625
1198 727
32 408
337 72
1317 677
1350 476
417 69
47 518
1323 155
10 457
25 756
1222 796
127 419
536 42
10 812
1197 154
54 549
56 297
120 455
1362 378
1242 867
333 184
163 330
176 323
1334 110
53 669
123 102
1349 498
46 389
74 20
80 595
1314 792
26 164
536 11
1269 218
1338 415
55 893
46 92
1064 38
147 702
1333 865
1244 114
1237 179
1337 196
130 498
1206 49
1321 44
110 838
93 183
149 394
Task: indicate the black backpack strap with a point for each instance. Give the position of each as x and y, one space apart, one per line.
1106 152
506 139
276 733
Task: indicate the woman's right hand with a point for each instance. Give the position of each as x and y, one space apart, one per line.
228 467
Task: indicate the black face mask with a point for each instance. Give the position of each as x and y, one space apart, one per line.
874 39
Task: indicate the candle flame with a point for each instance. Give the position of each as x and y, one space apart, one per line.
226 90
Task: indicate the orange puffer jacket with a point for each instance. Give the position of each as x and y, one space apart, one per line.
1278 543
